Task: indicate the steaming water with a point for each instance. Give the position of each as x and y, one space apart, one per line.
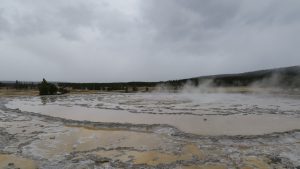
205 114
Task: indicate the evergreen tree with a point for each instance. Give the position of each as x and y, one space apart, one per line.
52 89
46 88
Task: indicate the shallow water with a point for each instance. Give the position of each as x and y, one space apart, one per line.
78 139
207 114
9 161
154 157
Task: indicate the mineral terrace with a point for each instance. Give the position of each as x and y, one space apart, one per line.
118 130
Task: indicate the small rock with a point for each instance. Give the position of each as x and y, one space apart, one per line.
205 119
11 164
52 137
276 160
23 131
101 160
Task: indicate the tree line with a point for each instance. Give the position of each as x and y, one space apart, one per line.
282 77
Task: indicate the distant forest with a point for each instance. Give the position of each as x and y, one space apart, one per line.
280 77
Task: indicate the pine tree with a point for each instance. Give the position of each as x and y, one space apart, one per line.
46 88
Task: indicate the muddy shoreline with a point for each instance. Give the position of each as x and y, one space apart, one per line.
27 137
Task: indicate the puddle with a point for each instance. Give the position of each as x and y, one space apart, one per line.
254 162
212 166
16 162
23 127
154 158
205 114
73 139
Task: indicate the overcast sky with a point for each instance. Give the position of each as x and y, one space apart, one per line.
144 40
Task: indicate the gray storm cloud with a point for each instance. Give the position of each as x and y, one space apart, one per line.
110 40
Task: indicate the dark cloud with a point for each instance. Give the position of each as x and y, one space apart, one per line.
114 40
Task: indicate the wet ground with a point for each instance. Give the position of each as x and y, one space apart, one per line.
204 114
33 134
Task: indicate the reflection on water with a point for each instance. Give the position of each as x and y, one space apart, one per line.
48 99
209 114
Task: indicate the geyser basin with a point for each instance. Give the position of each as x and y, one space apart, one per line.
204 114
